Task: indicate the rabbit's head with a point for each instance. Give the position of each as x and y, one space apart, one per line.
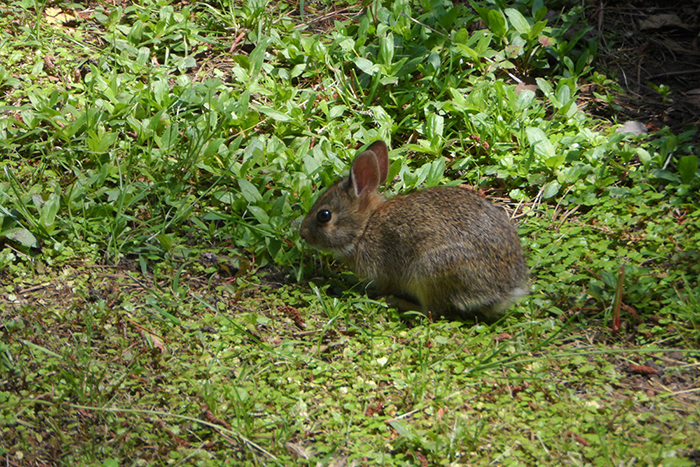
340 215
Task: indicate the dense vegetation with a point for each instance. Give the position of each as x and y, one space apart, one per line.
158 305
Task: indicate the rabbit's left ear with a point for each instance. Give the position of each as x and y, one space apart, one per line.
365 173
382 152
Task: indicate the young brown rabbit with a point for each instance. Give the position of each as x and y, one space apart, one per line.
448 248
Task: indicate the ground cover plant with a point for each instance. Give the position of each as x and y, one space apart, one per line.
159 308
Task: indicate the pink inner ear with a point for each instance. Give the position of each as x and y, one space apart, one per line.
382 152
365 172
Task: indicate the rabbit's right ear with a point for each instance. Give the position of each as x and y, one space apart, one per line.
365 173
382 152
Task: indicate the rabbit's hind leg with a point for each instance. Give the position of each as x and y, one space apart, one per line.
402 304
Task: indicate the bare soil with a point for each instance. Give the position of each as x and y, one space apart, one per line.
644 43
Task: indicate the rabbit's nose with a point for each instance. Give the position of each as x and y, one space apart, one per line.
304 232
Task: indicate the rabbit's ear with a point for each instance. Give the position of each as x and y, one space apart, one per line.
365 173
382 152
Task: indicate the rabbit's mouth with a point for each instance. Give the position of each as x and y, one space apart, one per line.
343 252
340 249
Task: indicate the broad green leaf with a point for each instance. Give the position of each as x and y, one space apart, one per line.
458 102
101 143
545 86
22 236
644 156
483 43
551 189
535 31
555 161
311 165
402 430
497 23
143 56
49 210
483 11
166 241
170 137
161 92
225 197
538 9
347 44
524 99
259 214
471 53
437 170
366 66
298 70
213 147
538 139
563 93
257 56
687 167
461 36
241 74
436 125
248 190
336 111
518 21
609 278
434 60
243 104
274 114
386 49
274 247
666 175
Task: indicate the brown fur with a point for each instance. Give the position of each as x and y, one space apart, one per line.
447 248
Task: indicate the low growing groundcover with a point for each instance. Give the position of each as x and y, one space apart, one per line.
158 306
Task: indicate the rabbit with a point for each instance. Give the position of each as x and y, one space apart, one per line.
449 249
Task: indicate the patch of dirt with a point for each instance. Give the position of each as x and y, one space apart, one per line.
674 372
643 44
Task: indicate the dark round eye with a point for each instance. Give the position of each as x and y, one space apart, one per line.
323 216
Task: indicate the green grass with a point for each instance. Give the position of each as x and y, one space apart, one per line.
159 308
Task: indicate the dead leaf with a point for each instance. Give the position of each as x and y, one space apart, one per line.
298 451
420 457
545 41
57 16
376 408
579 438
693 96
520 87
210 417
663 20
643 370
178 441
635 128
49 62
157 343
294 314
504 336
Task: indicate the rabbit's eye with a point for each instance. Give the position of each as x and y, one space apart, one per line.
323 216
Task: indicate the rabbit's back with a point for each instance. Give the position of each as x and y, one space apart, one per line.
450 249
